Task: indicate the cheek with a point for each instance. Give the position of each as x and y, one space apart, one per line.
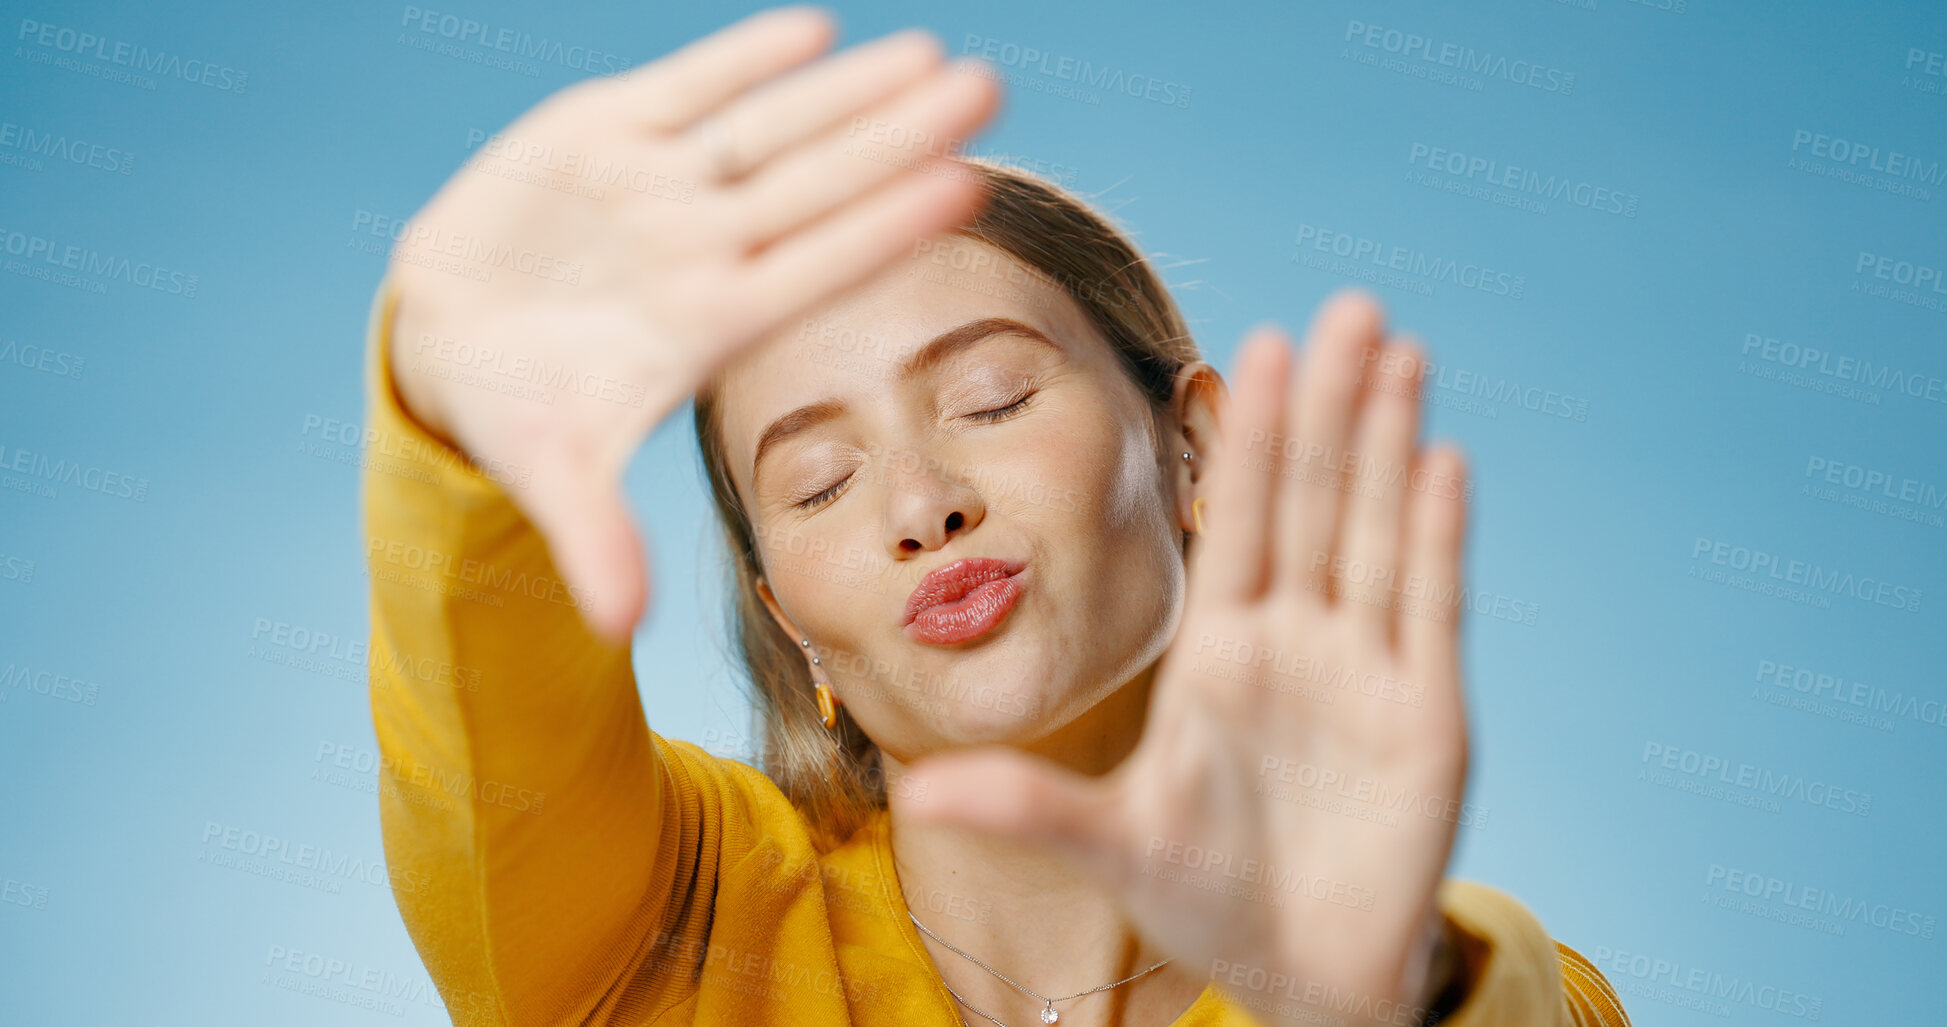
1120 490
821 567
1136 546
1105 504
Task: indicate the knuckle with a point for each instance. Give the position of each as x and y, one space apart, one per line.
738 223
578 98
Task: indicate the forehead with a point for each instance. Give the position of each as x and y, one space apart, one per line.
854 345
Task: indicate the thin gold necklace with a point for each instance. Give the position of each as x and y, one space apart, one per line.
1049 1014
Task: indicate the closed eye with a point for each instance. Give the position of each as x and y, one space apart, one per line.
980 416
1001 413
811 502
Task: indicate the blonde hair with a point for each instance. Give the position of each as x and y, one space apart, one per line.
834 777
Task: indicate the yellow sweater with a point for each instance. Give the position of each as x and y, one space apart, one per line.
556 862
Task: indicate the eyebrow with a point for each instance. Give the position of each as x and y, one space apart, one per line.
935 352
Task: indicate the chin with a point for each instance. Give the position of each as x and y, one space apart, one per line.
981 714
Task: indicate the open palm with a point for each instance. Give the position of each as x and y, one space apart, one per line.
1287 817
617 244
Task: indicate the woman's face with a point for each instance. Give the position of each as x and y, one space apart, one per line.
959 497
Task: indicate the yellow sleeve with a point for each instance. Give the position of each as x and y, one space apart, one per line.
522 796
1591 998
1516 973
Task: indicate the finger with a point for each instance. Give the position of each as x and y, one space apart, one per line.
788 110
1312 493
1013 796
851 244
1235 559
849 161
1436 525
1389 422
592 538
673 91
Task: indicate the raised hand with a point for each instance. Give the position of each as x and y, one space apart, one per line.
1287 817
604 254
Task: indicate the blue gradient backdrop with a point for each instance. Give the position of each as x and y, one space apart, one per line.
1641 771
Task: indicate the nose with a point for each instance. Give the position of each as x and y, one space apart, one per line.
925 511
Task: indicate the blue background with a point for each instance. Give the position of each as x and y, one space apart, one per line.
114 912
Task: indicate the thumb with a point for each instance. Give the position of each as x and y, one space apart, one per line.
1017 797
592 538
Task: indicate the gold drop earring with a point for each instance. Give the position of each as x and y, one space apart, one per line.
827 702
1196 505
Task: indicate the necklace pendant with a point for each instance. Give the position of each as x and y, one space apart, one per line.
1049 1015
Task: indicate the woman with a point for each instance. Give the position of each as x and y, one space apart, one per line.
989 517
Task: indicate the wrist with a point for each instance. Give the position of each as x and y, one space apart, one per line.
1439 985
414 388
1433 969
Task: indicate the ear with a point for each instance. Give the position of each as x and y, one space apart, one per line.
1197 403
776 611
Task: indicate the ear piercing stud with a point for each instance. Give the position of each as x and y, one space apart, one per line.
1196 505
827 702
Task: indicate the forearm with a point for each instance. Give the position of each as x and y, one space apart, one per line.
510 738
406 338
1489 962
